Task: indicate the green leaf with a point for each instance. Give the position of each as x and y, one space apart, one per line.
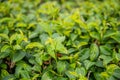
5 19
3 54
4 36
106 59
82 78
88 64
105 50
116 73
18 56
94 52
111 68
61 78
61 48
116 56
71 74
46 76
9 77
80 71
100 63
51 52
17 47
25 74
82 44
4 48
116 37
43 37
61 66
95 35
21 24
84 54
4 73
98 76
38 58
34 44
17 37
33 35
109 33
60 39
65 58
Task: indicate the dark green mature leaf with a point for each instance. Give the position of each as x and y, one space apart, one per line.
25 74
18 56
105 50
98 76
116 73
3 54
84 54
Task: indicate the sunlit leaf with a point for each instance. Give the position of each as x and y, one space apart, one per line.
34 44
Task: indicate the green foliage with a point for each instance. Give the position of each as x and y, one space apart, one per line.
59 40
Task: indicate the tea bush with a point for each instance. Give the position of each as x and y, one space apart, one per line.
59 39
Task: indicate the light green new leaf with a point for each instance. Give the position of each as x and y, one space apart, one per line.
116 56
6 19
4 36
82 77
4 73
110 68
34 44
82 44
21 24
4 48
17 37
